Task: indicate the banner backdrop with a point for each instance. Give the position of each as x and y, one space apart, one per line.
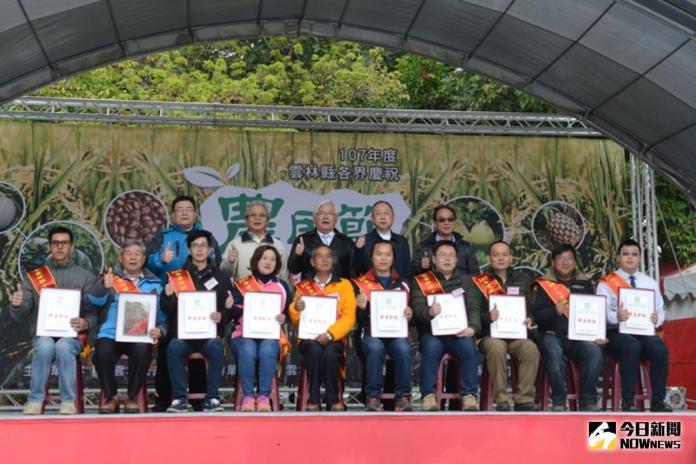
111 183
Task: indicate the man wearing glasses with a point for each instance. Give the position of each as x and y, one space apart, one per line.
444 218
167 251
240 250
58 272
324 232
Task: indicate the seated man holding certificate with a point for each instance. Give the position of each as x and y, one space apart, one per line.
504 328
438 303
65 315
631 326
384 327
202 293
324 309
257 337
129 278
551 312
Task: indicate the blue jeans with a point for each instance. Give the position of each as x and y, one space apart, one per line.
587 355
249 352
463 348
178 350
64 351
374 351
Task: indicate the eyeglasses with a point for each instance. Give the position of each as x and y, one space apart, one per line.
446 255
60 243
257 216
184 210
324 213
446 219
200 246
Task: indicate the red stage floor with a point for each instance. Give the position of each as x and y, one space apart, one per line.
332 438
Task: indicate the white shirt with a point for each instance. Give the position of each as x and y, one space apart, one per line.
326 238
642 281
321 284
386 236
439 238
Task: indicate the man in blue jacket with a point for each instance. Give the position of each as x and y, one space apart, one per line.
129 277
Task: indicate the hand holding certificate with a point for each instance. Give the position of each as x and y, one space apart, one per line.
260 312
387 318
57 306
587 317
194 315
318 315
136 316
640 304
452 317
512 314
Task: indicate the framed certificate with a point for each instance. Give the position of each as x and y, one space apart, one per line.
260 311
137 314
513 312
56 307
319 314
640 303
452 318
587 317
193 315
387 318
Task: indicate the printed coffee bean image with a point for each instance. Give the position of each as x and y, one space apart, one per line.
136 214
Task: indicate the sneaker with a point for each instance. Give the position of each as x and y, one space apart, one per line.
589 407
526 407
263 404
179 406
212 405
403 404
248 404
502 407
373 405
470 403
558 407
429 403
67 408
659 406
32 408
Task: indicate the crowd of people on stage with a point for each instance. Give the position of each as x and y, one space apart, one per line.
326 262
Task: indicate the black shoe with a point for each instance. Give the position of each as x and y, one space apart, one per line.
502 407
589 407
526 407
659 406
629 406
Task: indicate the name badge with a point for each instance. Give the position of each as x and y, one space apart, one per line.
457 292
513 290
210 284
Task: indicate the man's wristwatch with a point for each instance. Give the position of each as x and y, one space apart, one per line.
329 336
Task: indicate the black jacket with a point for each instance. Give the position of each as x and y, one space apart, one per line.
200 277
466 261
402 260
363 315
544 310
479 303
341 245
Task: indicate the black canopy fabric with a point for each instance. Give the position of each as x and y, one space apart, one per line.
627 67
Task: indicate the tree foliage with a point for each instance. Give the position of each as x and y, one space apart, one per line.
677 223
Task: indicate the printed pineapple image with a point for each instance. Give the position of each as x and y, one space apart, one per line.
558 223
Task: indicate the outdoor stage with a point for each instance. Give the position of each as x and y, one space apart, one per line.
325 437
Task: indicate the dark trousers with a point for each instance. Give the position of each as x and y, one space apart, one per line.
629 350
106 353
163 386
322 363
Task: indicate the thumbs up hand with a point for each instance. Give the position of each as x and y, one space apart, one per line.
168 254
109 279
299 249
232 255
229 302
360 242
17 296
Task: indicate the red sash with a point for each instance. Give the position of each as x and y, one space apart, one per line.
122 285
41 277
181 281
614 281
557 292
488 285
308 287
429 284
366 285
250 284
